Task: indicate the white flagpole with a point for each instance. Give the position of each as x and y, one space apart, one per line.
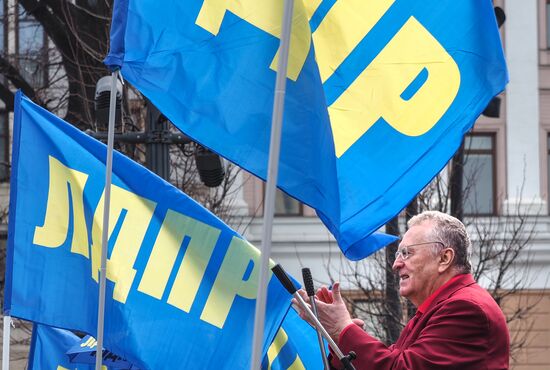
272 171
6 343
105 231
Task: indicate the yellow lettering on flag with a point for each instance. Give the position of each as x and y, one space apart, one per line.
267 16
278 343
174 229
229 282
344 26
90 343
56 223
377 91
297 364
120 267
311 6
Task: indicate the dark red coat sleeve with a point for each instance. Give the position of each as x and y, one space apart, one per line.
456 336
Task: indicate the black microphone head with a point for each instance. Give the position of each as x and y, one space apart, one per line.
280 273
500 15
308 282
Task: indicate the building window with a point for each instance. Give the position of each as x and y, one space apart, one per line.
31 49
2 26
286 205
548 169
4 140
479 174
4 114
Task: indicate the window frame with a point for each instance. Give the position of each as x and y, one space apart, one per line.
548 170
493 154
5 28
5 121
42 54
543 33
300 212
5 138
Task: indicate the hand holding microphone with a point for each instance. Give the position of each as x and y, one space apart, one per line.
331 309
305 311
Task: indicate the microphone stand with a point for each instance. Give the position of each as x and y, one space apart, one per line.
308 284
289 286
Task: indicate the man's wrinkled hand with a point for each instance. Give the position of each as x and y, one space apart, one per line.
331 309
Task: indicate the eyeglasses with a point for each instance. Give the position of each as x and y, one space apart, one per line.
404 252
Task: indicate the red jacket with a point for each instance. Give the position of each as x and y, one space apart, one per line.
463 328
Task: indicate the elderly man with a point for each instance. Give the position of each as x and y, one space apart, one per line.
457 325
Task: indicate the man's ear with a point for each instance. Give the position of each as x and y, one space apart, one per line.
446 259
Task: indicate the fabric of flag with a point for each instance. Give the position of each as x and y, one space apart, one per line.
84 352
181 285
48 348
378 97
295 346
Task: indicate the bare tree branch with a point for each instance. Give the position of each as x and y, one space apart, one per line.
13 75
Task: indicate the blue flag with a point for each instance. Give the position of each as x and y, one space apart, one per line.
379 93
59 349
84 352
295 346
181 285
48 349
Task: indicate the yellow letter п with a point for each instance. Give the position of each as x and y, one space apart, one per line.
229 282
342 29
174 229
120 267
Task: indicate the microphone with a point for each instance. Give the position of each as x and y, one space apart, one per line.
280 273
308 284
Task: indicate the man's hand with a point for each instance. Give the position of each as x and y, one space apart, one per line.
331 309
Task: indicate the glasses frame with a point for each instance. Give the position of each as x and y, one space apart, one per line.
406 255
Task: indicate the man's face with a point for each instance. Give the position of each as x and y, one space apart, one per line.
418 273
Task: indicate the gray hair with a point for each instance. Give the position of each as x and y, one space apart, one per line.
452 233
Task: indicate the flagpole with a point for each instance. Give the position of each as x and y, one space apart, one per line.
6 343
105 230
272 171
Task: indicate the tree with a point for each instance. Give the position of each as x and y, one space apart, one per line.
78 40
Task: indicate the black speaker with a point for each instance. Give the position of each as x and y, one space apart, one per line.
493 108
